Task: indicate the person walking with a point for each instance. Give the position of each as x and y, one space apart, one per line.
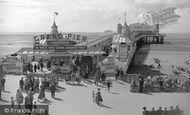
93 95
108 85
21 83
19 98
98 97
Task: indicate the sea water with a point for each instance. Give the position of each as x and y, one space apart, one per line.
175 51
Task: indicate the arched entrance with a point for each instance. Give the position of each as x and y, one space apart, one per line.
87 60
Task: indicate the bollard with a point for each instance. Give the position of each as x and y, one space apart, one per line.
145 112
165 112
159 112
153 112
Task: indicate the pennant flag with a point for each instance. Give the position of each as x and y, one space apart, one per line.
56 13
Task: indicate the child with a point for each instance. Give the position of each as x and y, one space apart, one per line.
12 102
93 96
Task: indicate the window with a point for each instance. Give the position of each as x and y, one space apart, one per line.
128 47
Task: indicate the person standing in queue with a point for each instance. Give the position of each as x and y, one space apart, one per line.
19 98
3 83
36 85
42 93
141 83
42 66
28 104
53 88
35 68
21 83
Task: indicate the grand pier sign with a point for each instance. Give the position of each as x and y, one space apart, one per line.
53 39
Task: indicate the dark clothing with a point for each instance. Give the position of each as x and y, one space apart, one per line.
35 68
53 88
103 76
28 103
98 97
108 85
42 66
141 83
3 83
42 93
36 85
21 83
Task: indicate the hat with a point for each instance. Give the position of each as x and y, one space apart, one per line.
144 108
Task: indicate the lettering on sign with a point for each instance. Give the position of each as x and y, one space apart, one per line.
60 47
163 18
72 37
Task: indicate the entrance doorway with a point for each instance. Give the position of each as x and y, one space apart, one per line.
87 60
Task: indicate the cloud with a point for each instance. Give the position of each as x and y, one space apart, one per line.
78 15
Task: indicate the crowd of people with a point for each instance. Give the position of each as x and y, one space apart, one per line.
160 83
31 85
171 111
29 67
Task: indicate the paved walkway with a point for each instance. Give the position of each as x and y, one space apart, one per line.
77 100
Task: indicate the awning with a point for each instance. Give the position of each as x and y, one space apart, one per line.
87 52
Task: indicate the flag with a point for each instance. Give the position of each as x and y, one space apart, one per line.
56 13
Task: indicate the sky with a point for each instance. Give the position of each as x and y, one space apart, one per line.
84 15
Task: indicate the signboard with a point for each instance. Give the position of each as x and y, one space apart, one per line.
60 47
109 67
63 69
163 18
59 37
110 59
15 68
123 52
60 43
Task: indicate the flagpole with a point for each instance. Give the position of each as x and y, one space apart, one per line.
54 16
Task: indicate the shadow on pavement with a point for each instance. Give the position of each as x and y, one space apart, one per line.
46 101
113 93
74 84
120 82
6 91
60 87
88 81
102 105
58 99
2 100
102 86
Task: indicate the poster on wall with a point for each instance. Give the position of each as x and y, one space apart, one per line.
109 68
123 52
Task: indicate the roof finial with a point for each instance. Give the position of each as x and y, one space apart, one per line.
125 16
55 13
119 19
